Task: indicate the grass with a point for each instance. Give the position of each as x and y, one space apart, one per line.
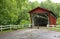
57 28
6 31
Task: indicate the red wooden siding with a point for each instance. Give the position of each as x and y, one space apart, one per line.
52 19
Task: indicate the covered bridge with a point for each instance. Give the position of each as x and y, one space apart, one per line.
42 17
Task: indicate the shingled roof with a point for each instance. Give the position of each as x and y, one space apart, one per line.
43 10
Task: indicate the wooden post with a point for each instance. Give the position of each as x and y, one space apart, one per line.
31 25
1 28
48 20
31 19
10 27
22 26
38 27
47 26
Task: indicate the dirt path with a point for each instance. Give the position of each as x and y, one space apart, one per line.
31 34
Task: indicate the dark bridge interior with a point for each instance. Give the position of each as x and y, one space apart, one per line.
41 19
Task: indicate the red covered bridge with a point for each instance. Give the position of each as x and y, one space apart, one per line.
42 17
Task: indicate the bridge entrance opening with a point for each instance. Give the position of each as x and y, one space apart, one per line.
40 19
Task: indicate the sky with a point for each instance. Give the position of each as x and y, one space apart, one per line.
55 1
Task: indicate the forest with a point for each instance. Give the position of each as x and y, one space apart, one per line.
15 12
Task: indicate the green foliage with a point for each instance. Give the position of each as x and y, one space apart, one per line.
51 6
16 11
58 21
12 11
24 22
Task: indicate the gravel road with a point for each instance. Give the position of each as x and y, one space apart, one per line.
31 34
